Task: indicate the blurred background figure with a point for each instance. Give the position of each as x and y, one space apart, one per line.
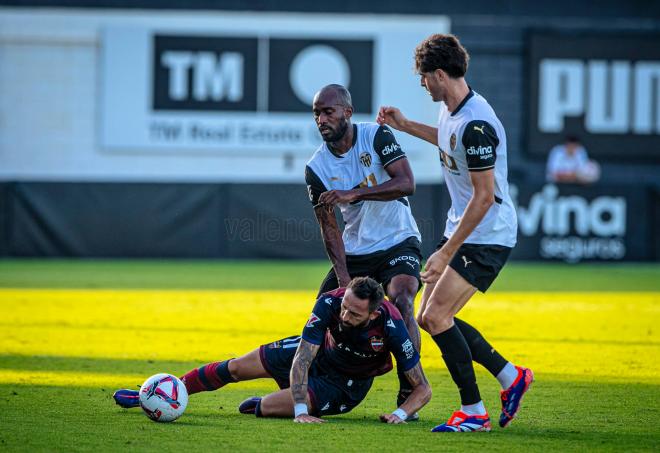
568 163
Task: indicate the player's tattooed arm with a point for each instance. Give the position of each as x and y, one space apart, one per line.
299 374
334 244
419 397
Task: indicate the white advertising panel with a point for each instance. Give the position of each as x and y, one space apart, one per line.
243 84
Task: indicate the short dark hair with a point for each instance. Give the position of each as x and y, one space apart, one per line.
368 288
343 95
572 138
442 52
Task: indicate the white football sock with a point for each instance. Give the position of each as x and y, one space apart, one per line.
508 374
474 409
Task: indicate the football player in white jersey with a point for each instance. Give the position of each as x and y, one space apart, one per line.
480 230
362 170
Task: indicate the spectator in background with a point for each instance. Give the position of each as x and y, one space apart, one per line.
568 163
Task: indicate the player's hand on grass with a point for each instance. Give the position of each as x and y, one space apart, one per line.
391 116
332 197
391 419
435 266
306 418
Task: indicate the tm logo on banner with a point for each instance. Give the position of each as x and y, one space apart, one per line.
257 74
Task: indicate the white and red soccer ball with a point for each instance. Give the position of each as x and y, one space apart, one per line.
163 397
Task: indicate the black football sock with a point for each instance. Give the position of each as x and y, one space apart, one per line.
482 352
457 357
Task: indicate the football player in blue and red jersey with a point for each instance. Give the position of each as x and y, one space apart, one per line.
349 339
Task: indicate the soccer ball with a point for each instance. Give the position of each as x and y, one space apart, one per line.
163 397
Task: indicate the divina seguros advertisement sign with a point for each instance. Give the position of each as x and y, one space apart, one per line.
577 223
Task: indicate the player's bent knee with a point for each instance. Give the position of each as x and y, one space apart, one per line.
405 305
434 324
248 366
235 369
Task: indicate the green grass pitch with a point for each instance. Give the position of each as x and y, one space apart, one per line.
73 331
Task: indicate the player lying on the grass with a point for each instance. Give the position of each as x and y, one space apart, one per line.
347 341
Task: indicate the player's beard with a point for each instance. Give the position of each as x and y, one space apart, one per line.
359 326
339 134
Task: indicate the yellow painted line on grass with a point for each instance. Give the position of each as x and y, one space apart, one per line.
608 335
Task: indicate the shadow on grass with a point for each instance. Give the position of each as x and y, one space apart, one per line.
557 416
96 365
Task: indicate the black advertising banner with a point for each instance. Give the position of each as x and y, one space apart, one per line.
193 73
205 73
555 222
603 88
575 223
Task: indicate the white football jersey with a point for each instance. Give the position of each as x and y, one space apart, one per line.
472 138
371 226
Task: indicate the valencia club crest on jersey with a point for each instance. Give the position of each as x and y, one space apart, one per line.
452 141
312 319
376 343
365 158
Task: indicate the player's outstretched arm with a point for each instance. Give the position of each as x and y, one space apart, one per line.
334 244
419 397
393 117
299 373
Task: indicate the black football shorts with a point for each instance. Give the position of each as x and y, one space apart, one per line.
383 266
479 264
331 393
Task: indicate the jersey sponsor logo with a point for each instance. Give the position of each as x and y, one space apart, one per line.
389 149
465 260
408 349
369 181
376 343
365 158
452 142
309 193
312 319
326 407
364 355
484 151
390 323
404 258
448 162
480 129
328 300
